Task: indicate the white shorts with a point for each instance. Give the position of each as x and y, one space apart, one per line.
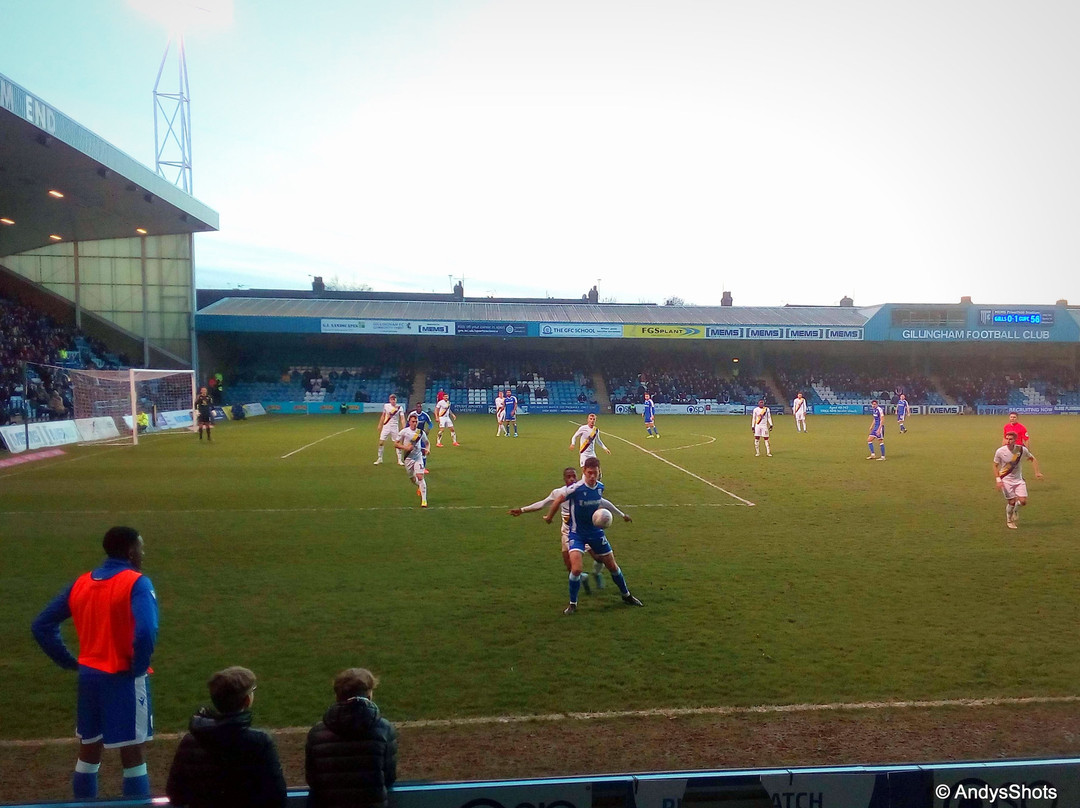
761 431
446 422
1013 489
414 468
499 416
800 419
389 431
565 531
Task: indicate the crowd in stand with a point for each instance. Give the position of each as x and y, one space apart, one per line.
687 382
884 381
972 384
27 335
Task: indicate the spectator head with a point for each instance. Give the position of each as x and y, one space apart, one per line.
202 391
124 543
354 683
232 689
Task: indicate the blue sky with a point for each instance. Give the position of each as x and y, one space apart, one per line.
791 152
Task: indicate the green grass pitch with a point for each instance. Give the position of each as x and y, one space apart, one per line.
846 581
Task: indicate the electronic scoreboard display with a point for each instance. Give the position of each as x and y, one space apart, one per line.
1015 317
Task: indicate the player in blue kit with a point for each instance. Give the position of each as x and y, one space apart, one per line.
424 424
649 413
585 497
510 405
877 431
901 413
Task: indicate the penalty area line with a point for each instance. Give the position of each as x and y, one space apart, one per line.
680 468
320 440
659 712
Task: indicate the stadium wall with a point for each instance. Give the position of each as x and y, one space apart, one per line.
941 785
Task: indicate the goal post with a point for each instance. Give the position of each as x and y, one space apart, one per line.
107 403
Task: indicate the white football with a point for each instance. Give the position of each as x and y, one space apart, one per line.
601 517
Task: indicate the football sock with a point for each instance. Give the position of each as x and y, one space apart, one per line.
136 781
400 459
453 435
870 446
598 568
575 587
620 581
882 447
380 451
84 780
1008 513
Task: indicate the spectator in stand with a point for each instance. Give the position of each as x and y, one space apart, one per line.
222 762
351 755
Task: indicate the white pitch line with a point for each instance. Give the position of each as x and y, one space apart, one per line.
680 468
340 510
320 440
689 445
659 712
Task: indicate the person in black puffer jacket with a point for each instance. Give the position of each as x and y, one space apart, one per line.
222 762
351 755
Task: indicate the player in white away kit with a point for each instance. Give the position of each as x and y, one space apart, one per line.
410 441
761 423
1010 477
446 420
586 439
389 426
500 411
798 409
569 478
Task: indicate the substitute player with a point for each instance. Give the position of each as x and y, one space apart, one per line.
204 412
390 424
410 441
510 403
586 439
114 610
585 497
798 409
569 478
500 414
649 414
1009 476
877 431
761 424
1014 425
901 413
446 420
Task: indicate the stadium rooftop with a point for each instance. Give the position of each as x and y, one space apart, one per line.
105 193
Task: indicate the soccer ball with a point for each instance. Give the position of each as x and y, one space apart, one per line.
601 517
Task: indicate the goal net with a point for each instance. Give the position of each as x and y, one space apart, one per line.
107 404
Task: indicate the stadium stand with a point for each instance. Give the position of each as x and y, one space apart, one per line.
1029 385
690 381
848 382
312 383
477 380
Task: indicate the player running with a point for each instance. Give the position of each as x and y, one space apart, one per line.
410 441
901 413
761 424
204 412
500 414
586 439
510 402
585 497
446 420
569 478
798 409
1010 477
390 424
877 431
649 414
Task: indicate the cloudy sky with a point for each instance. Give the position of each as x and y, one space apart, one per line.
788 151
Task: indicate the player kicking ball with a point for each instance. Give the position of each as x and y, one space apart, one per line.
586 533
1009 477
410 444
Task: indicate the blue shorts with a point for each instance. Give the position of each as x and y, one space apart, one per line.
599 544
114 709
878 434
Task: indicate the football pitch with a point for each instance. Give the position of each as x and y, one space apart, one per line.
811 577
